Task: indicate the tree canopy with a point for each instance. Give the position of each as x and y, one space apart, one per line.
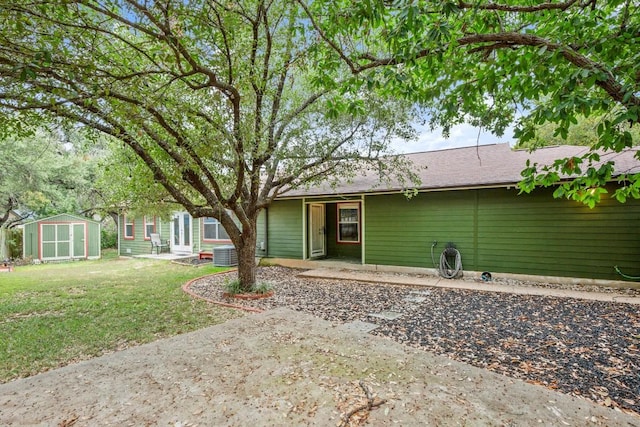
230 104
583 132
42 174
495 63
219 100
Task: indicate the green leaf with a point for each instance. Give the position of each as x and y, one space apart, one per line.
620 196
559 192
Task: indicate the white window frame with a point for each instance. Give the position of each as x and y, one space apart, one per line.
125 223
218 227
350 206
146 222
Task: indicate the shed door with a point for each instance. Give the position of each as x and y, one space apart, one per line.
48 242
78 237
56 241
61 241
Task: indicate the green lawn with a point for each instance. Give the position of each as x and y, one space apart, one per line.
55 314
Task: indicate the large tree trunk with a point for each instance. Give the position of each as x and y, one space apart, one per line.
246 249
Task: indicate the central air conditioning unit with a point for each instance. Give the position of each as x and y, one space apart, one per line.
225 256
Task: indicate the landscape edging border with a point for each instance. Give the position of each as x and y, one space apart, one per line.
186 288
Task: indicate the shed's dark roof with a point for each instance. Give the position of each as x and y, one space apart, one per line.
496 165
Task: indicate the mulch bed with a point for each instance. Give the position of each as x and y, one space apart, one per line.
589 349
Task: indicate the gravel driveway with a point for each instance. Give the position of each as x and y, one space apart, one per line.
589 349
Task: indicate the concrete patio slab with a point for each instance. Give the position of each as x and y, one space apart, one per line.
438 282
284 367
359 326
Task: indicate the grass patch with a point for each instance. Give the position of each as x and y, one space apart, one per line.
233 287
262 288
55 314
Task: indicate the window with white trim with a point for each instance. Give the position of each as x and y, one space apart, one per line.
348 222
127 227
213 230
149 227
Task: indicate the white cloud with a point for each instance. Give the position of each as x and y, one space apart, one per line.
463 135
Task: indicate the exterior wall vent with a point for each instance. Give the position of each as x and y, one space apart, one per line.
225 256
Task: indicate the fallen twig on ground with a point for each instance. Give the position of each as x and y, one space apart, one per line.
372 402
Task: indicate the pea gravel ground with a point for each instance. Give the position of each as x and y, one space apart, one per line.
589 349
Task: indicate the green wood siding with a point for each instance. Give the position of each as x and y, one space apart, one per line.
30 240
546 236
335 249
137 245
497 230
285 229
399 231
262 233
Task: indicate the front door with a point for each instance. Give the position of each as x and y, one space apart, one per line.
181 232
317 229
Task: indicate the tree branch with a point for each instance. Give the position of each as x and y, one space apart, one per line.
518 9
511 40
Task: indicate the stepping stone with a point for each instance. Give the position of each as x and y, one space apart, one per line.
359 326
415 299
386 315
424 293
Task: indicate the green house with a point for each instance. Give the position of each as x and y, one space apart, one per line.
468 197
61 237
185 235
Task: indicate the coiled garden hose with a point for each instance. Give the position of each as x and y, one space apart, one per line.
445 268
448 257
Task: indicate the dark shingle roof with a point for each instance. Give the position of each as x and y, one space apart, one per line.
470 167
